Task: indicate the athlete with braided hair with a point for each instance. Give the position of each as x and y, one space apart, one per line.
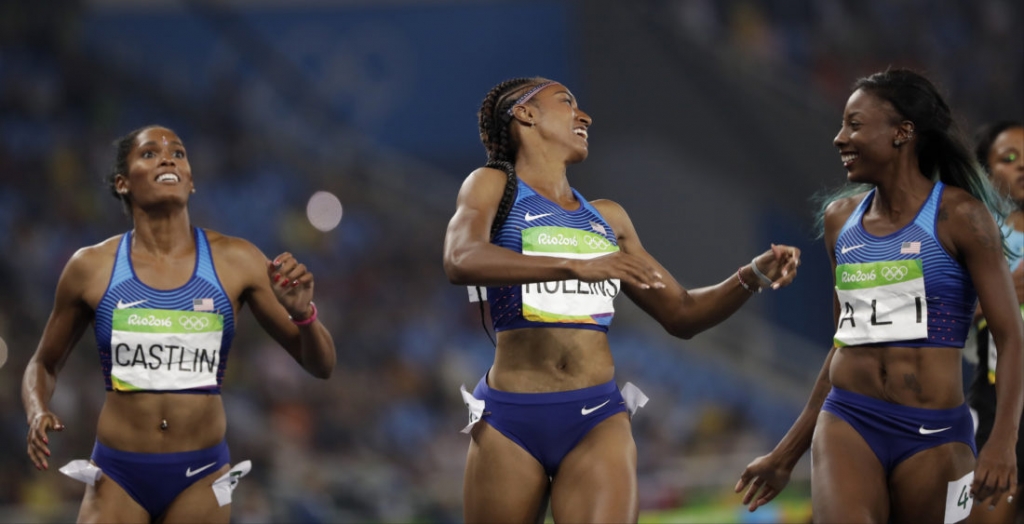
913 246
163 299
547 419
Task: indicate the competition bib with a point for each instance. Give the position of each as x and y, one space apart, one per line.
162 350
570 301
881 302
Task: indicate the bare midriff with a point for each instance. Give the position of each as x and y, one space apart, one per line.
135 422
921 377
544 360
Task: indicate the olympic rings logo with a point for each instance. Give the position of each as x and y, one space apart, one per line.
194 323
894 273
597 243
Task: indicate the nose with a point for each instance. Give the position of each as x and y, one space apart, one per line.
167 158
840 138
582 116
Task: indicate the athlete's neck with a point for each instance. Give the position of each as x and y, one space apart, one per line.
900 196
162 235
547 178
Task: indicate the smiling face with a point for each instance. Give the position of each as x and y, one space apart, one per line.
559 120
158 171
866 139
1006 164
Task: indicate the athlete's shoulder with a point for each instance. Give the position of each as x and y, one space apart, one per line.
98 254
840 209
483 188
236 249
960 203
608 207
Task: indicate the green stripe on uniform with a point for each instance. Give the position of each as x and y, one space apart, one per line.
875 274
550 239
166 321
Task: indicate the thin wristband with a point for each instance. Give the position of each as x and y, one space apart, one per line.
746 286
765 281
307 321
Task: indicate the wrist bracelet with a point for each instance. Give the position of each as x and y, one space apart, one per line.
744 284
309 320
765 281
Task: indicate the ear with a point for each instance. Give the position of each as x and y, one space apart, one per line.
524 114
121 184
905 131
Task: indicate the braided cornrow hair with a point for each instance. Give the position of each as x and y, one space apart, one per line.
496 136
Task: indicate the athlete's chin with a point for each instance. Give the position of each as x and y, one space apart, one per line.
578 156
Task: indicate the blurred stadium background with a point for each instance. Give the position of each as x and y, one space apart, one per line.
713 128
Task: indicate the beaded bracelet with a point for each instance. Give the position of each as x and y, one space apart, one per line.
307 321
765 281
744 284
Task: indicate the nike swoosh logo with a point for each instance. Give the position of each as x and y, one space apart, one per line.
846 249
531 218
924 431
190 473
586 411
122 305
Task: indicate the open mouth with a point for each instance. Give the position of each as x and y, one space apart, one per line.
168 178
581 132
848 158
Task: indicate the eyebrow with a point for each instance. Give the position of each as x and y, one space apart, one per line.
153 143
565 92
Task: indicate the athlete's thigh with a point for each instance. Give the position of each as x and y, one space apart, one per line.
198 503
596 481
919 483
848 483
503 483
107 502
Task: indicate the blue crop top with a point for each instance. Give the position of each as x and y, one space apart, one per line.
167 341
902 289
539 227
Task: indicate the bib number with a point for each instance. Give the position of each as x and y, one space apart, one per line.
161 350
570 301
881 302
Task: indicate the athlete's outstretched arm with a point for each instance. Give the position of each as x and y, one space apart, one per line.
767 475
685 313
68 320
471 259
278 291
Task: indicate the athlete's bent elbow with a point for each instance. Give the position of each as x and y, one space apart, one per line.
455 272
682 331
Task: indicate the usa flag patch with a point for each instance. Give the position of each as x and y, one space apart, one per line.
202 304
912 248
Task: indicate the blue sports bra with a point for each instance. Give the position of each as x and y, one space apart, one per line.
902 289
537 226
171 341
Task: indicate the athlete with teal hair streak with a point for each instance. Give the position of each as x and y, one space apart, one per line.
913 246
